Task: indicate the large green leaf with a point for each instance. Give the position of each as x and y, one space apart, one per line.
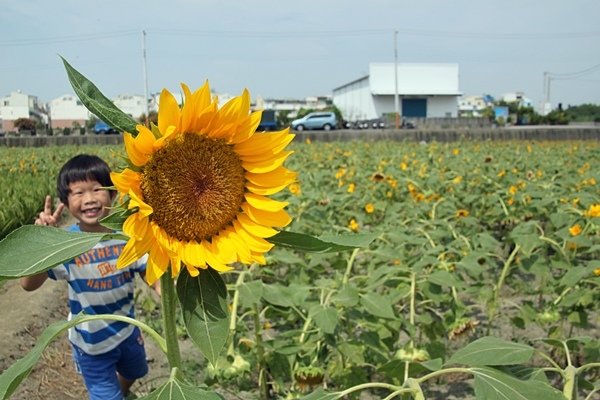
174 389
325 244
204 304
491 384
492 351
97 103
32 249
377 305
325 317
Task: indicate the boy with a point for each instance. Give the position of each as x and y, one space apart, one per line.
109 355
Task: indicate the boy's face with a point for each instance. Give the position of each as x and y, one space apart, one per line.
89 202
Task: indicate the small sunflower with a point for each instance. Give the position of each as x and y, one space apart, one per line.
369 208
575 230
198 186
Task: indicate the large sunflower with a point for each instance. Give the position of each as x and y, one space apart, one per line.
199 184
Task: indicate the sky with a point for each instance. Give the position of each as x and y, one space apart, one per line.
292 50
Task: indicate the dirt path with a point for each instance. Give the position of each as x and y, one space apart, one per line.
24 317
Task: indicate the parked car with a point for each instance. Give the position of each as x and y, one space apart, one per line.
316 120
268 121
102 128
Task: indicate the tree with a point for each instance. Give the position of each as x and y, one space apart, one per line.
25 124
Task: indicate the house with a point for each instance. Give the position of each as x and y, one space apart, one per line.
67 111
20 105
474 106
424 91
131 104
517 97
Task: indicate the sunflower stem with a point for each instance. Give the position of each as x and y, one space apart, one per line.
169 313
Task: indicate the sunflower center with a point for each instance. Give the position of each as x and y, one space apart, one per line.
195 186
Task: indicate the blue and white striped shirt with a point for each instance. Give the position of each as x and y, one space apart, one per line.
96 286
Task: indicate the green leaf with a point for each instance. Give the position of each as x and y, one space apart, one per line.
97 103
346 297
174 389
326 244
251 292
445 279
326 318
115 220
574 275
32 249
492 351
204 305
491 384
377 305
278 295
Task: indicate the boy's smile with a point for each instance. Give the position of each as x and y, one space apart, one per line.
89 202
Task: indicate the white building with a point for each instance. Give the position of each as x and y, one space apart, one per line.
424 91
517 97
474 106
67 111
19 105
131 104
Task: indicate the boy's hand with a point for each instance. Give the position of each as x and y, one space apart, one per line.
47 217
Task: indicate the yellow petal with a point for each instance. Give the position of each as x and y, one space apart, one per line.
144 141
127 180
192 270
212 259
133 251
136 226
133 154
246 128
254 228
255 243
266 165
278 219
264 143
241 248
264 203
136 201
193 254
158 261
265 191
188 109
259 258
272 178
168 111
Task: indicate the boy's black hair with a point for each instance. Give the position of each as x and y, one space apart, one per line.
83 167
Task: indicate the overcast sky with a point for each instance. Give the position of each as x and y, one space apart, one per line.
294 49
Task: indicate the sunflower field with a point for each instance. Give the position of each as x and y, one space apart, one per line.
472 246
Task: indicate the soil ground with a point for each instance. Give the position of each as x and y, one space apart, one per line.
25 315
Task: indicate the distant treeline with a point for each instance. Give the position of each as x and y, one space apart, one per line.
584 113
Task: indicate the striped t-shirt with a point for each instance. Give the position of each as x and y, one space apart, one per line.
96 286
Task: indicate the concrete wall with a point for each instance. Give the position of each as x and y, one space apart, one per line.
439 135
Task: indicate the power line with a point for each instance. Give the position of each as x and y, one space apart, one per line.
573 75
371 32
300 34
66 39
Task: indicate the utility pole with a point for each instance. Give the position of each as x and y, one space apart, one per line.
146 111
546 106
396 100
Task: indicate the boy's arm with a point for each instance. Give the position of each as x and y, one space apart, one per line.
33 282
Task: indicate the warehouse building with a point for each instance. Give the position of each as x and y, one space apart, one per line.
424 91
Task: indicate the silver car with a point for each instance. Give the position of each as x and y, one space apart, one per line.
316 120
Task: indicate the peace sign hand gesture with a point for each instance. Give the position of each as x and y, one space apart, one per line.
47 217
